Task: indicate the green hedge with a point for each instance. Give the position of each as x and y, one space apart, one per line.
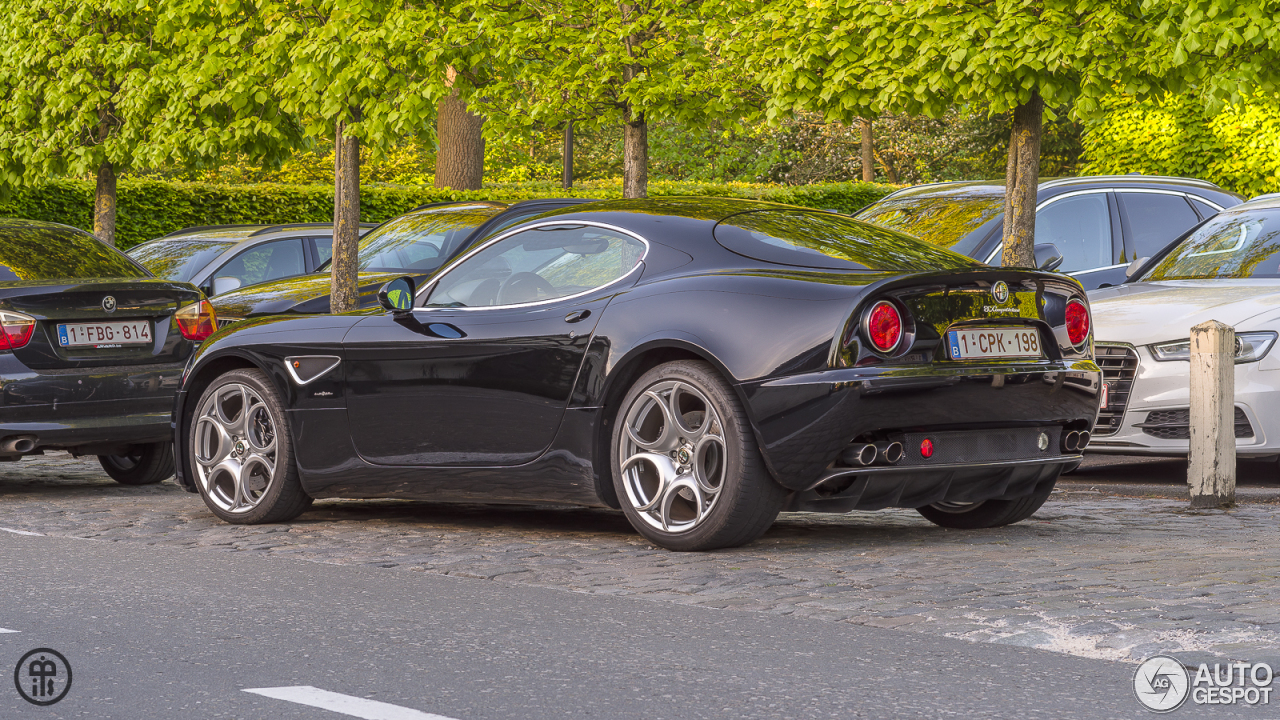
151 208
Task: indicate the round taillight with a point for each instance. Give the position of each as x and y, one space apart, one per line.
884 326
926 448
1077 322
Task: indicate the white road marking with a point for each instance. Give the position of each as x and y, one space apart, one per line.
21 532
7 630
345 704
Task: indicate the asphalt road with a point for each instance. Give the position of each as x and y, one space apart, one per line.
166 633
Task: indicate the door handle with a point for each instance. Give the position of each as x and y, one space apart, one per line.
577 315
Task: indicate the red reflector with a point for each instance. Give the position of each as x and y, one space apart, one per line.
926 448
1077 322
197 321
884 326
16 330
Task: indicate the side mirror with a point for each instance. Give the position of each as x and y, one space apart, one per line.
1134 267
1047 257
225 284
397 295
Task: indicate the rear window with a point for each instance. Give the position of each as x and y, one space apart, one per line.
829 241
947 221
48 252
178 260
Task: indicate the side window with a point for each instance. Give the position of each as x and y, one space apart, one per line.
323 249
538 264
1155 220
1206 210
269 261
1080 227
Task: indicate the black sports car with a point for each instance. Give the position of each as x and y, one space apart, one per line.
91 351
700 364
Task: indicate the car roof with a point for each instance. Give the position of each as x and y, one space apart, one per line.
1270 201
995 188
208 232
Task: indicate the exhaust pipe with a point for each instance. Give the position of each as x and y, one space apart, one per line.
20 444
1083 441
890 452
1071 441
859 455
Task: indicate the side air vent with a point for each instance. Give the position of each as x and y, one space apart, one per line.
305 369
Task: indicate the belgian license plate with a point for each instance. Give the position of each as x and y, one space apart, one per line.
127 332
972 343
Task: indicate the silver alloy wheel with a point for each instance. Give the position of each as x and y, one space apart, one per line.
235 448
672 450
955 508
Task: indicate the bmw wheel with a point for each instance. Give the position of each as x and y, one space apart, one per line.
140 464
686 467
985 514
241 453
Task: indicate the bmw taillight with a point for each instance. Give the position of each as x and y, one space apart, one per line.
197 321
16 329
1077 322
884 326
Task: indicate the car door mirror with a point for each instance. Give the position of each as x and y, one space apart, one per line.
1047 257
225 284
1134 267
397 295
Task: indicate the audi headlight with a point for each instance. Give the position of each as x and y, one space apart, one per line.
1250 347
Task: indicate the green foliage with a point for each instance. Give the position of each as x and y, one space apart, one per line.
151 208
1236 146
849 59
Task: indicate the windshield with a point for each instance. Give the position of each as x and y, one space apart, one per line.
49 252
1228 245
827 240
178 259
423 240
948 221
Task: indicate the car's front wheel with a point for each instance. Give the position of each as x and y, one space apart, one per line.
241 453
145 464
985 514
686 467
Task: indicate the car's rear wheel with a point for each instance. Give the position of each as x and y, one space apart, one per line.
140 464
686 467
241 453
985 514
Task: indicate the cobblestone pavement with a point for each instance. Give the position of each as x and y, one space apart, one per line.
1092 574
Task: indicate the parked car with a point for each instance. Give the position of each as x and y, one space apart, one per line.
416 243
700 364
221 258
1227 269
91 350
1098 224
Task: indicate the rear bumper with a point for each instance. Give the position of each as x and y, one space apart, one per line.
90 410
805 421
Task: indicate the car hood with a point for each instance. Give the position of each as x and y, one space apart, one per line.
302 294
1144 313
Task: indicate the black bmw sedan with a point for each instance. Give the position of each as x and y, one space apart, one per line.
699 364
92 350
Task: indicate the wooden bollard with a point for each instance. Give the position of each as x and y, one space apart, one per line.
1211 462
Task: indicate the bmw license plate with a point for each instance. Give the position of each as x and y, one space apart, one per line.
128 332
978 343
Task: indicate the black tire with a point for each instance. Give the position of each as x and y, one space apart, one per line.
747 500
141 464
280 497
986 514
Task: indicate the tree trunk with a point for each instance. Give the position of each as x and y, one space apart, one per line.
567 176
460 161
868 152
344 294
635 157
104 204
889 170
1022 181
